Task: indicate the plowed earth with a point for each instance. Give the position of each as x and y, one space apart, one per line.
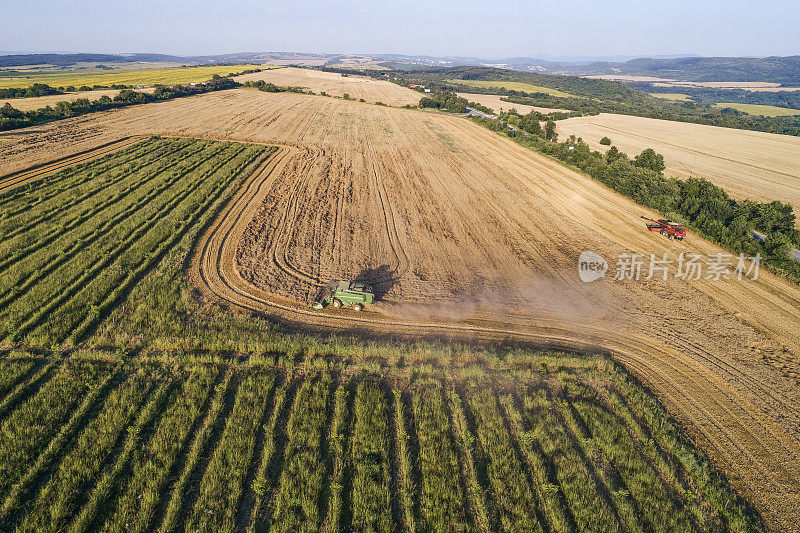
468 235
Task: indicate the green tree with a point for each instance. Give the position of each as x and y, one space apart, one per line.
650 159
550 131
10 112
605 141
614 154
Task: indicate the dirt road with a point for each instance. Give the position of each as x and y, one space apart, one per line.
466 234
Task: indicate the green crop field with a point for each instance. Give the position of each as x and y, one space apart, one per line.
541 442
756 109
73 244
127 405
146 77
512 85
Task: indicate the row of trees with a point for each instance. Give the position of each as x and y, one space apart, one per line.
42 89
665 110
705 207
37 89
261 85
12 118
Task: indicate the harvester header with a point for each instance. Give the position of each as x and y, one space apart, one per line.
667 228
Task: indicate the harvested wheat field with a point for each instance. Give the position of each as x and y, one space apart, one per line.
494 102
337 85
38 102
747 164
357 87
466 234
755 86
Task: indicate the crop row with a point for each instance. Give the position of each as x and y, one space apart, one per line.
222 485
68 213
70 189
297 499
151 463
44 256
60 292
36 420
84 265
113 445
33 193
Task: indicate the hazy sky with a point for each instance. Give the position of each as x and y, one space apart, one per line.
489 29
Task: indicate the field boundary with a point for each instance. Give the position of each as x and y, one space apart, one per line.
21 177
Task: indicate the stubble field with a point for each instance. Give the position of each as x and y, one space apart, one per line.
494 102
357 87
38 102
747 164
469 235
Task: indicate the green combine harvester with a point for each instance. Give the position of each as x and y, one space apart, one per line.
344 293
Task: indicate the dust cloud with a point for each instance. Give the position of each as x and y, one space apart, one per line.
529 298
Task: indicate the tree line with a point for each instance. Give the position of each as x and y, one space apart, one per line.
266 87
12 118
696 202
675 111
710 95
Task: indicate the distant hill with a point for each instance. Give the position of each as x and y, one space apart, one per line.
64 60
67 60
784 70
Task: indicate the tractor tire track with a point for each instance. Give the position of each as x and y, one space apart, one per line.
765 460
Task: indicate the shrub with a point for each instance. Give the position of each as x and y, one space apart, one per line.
650 159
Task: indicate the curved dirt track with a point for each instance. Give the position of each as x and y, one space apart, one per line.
468 235
758 456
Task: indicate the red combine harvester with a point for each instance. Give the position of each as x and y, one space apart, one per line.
667 228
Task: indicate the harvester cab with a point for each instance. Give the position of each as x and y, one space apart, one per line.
344 293
667 228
